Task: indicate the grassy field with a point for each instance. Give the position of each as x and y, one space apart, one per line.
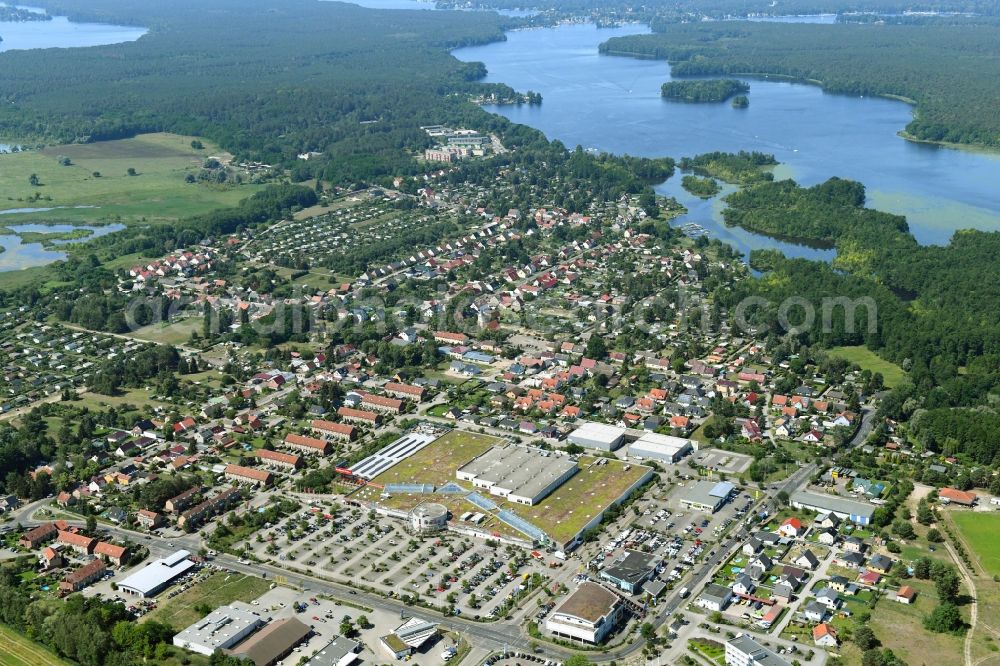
981 533
218 590
869 360
16 650
586 494
174 333
437 462
157 193
900 628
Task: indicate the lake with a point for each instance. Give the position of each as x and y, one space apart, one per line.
613 104
429 5
60 32
18 255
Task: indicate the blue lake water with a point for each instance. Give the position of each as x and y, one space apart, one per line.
60 32
18 255
613 104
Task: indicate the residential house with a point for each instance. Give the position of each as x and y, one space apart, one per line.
824 635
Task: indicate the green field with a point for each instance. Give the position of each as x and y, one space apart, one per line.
174 333
157 193
866 359
980 532
437 462
578 501
16 650
218 590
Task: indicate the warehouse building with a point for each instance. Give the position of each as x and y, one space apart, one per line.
520 474
630 570
272 643
338 652
219 630
742 650
859 513
707 496
157 575
662 448
590 614
598 436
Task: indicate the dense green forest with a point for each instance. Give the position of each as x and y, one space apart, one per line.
355 84
687 10
703 90
739 168
937 308
700 187
951 71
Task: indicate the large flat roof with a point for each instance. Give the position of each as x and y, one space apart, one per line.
335 653
839 505
590 602
273 641
158 573
591 431
652 443
521 470
761 655
222 627
706 493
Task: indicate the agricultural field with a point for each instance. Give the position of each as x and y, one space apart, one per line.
438 461
979 531
219 589
156 193
16 650
866 359
177 332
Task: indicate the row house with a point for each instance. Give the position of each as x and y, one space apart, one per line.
198 513
285 460
359 416
82 577
240 474
331 429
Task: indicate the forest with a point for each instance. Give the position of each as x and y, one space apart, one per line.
935 307
956 89
355 84
703 90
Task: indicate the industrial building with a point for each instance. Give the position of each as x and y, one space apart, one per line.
707 496
589 614
662 448
859 513
219 630
520 474
629 570
338 652
600 436
156 575
272 643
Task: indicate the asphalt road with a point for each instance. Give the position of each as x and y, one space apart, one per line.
492 636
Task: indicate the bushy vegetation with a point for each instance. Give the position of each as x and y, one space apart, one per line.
703 90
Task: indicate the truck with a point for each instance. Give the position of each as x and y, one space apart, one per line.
684 592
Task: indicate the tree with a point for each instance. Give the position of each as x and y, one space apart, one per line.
946 583
944 619
363 621
647 630
783 497
596 347
934 535
865 638
925 516
922 568
91 524
132 172
33 180
577 660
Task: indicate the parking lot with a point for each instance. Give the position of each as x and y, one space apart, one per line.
348 544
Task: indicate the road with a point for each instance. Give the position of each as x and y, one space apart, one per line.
492 636
865 429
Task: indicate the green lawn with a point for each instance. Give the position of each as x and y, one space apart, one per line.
173 333
157 193
16 650
981 532
585 495
866 359
437 462
220 589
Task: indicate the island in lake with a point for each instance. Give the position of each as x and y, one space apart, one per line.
704 90
10 14
741 102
